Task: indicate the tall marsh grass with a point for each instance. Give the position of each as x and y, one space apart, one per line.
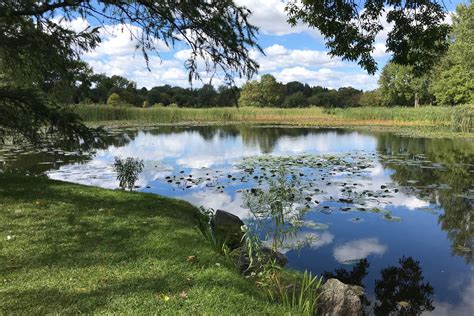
428 114
91 113
460 117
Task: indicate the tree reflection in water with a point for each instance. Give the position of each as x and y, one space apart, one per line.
401 290
448 183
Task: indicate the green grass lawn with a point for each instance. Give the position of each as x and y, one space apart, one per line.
67 248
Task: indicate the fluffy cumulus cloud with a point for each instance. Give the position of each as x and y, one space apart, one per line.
118 54
271 18
277 56
327 77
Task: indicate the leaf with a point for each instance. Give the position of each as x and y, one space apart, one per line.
191 259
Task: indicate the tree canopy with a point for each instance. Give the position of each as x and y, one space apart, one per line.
38 51
453 81
400 85
350 28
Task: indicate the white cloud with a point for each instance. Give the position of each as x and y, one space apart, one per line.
327 78
358 249
464 307
277 57
271 18
118 55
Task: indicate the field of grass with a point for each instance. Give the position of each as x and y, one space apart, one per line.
67 249
428 115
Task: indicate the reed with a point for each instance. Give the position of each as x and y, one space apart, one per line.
91 113
427 114
460 117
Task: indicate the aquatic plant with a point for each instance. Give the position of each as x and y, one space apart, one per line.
462 118
275 210
204 220
300 292
127 171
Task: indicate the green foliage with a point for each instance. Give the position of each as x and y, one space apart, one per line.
115 100
204 220
350 28
453 81
264 93
400 85
277 205
295 100
128 171
38 52
300 294
371 98
26 114
462 119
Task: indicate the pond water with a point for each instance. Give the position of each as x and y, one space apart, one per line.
391 213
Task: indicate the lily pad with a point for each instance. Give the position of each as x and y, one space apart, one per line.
315 225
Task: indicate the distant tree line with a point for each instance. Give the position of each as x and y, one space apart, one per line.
119 91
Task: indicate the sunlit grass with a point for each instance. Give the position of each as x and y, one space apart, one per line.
68 249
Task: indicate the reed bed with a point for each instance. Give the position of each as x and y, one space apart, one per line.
427 115
462 118
92 113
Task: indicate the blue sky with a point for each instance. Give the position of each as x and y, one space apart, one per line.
292 53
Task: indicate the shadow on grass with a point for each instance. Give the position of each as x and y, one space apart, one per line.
79 249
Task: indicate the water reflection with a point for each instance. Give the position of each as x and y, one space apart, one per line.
448 182
372 197
399 290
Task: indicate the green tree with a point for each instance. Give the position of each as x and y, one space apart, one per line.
371 98
453 81
418 36
266 92
400 85
36 47
115 100
295 100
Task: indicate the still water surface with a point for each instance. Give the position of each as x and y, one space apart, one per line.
391 213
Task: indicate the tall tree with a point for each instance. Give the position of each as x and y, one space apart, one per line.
401 85
35 46
418 36
266 92
453 82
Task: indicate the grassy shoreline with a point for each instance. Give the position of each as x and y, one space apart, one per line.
67 248
423 122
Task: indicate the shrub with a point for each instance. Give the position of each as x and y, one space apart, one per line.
115 100
127 171
462 118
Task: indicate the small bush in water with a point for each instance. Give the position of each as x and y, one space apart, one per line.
128 171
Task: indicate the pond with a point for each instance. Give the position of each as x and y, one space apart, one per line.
391 213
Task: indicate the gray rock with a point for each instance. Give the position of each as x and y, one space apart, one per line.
227 228
338 298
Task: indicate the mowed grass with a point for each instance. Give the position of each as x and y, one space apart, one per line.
67 248
403 116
